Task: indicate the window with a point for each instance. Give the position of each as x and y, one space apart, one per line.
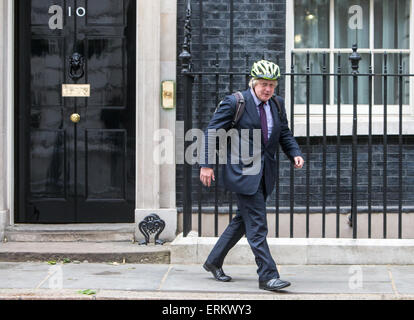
333 26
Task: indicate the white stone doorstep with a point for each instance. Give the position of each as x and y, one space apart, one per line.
299 251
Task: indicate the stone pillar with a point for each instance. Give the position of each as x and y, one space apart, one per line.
5 24
156 55
168 117
148 102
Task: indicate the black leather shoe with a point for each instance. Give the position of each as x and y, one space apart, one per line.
274 284
218 273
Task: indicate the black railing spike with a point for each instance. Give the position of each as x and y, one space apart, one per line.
308 69
355 58
247 69
185 55
339 63
370 62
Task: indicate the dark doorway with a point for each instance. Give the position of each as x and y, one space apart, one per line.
68 171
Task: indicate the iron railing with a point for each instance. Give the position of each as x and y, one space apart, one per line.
192 204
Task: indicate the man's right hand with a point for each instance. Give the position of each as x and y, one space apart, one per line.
206 175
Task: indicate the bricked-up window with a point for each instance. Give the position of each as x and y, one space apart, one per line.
333 26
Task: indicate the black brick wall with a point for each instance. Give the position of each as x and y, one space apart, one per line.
316 154
259 29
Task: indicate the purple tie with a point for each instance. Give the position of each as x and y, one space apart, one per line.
263 120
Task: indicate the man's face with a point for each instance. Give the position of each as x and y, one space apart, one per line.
265 89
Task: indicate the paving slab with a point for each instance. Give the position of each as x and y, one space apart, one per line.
194 278
168 281
81 276
22 275
338 279
112 277
304 279
403 278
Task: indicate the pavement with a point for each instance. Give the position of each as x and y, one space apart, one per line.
82 280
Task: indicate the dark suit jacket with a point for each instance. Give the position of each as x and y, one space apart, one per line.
232 174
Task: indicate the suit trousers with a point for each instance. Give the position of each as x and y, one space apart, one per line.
251 221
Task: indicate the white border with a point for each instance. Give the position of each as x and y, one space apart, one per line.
331 54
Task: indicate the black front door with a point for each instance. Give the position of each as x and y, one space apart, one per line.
75 156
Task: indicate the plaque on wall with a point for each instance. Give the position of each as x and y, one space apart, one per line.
76 90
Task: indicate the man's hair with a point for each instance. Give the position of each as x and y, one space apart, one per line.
253 82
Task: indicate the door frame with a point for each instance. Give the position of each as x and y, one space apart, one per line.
9 23
10 11
155 17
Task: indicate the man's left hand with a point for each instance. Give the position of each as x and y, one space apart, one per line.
299 162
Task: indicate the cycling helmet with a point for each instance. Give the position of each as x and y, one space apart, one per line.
267 70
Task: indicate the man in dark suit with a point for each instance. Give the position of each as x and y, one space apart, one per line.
261 113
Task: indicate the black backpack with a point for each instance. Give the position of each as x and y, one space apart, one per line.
240 104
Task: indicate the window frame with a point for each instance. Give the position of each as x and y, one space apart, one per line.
347 109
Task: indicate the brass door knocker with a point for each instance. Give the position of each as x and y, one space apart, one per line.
76 70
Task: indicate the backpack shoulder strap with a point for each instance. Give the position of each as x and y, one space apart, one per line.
279 109
240 104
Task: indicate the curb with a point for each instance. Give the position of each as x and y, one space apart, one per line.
47 294
301 251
